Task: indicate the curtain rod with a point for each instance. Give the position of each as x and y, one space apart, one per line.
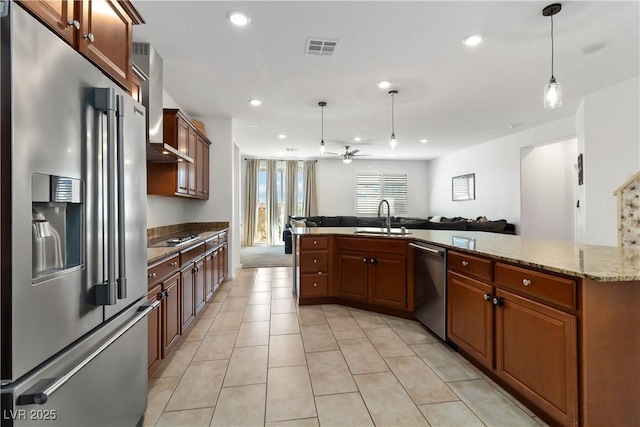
278 160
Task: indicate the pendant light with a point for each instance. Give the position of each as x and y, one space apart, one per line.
322 104
553 90
393 141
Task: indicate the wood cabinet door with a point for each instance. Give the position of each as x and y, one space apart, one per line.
353 275
470 317
208 276
106 37
215 270
205 170
154 336
224 266
536 354
193 167
388 280
198 286
188 312
56 14
183 147
171 320
199 167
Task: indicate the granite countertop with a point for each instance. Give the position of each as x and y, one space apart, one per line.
598 263
156 254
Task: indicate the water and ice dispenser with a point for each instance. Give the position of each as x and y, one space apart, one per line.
56 215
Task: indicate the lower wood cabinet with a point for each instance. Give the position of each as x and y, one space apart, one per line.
188 309
353 275
171 320
199 285
154 320
524 335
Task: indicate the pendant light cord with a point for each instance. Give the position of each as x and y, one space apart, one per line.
393 97
552 53
322 125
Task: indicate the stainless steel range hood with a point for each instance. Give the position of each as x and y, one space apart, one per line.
149 63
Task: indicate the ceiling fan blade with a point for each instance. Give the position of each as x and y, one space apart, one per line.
354 152
333 154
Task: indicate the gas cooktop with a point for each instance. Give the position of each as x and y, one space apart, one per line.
177 241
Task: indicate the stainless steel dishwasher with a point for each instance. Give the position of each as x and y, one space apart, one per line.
430 287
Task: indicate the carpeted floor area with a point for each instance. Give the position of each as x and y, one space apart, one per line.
265 256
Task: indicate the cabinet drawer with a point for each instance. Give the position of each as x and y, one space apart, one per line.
313 285
313 262
470 265
211 243
307 242
370 244
222 237
545 287
161 270
191 253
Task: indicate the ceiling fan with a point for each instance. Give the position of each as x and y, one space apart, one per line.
348 156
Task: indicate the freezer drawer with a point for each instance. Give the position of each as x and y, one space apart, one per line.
110 390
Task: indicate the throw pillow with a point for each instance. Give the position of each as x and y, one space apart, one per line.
311 224
297 223
437 218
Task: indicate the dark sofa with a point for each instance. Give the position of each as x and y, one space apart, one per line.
458 223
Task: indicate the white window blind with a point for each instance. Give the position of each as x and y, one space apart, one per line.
371 188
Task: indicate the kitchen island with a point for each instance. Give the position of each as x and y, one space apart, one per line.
557 323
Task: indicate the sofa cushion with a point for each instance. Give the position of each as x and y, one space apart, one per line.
349 221
297 222
370 222
493 226
330 221
457 225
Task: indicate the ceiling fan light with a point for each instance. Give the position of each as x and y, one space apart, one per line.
553 94
346 159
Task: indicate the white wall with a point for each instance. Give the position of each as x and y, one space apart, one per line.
336 184
548 181
496 165
611 155
581 216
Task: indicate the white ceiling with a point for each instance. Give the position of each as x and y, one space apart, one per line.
454 95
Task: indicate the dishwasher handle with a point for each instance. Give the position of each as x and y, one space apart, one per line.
427 249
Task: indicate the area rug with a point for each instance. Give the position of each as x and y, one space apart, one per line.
265 256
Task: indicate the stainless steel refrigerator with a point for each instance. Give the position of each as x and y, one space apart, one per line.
73 343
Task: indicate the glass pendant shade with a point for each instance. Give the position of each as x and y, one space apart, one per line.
393 142
553 94
322 149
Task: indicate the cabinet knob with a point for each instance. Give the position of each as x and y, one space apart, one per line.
173 264
89 36
315 261
465 263
498 301
75 23
315 242
487 297
364 260
372 261
152 275
526 282
315 285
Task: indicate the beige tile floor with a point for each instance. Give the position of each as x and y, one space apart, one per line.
254 358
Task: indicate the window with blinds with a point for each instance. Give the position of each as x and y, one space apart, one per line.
371 188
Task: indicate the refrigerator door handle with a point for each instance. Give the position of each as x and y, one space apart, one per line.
122 267
41 391
105 101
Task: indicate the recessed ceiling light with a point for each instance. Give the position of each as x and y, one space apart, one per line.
383 84
239 19
424 140
357 139
282 136
255 102
254 126
472 40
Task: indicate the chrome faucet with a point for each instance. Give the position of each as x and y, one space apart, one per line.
388 223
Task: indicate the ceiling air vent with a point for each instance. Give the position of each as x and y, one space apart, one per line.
321 47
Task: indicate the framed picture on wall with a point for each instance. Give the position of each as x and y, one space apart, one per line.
463 187
580 174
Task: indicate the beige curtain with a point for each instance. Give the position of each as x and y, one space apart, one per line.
251 202
292 188
310 204
272 216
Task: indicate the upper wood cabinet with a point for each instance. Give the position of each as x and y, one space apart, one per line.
182 179
102 30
